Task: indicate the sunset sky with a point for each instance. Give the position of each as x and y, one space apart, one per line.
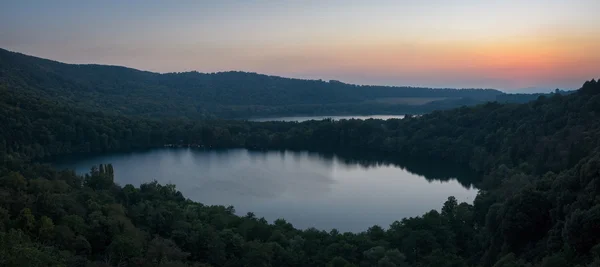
508 44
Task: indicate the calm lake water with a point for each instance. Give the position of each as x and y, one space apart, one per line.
307 189
307 118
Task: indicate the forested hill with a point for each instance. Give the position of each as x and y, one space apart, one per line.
128 91
539 204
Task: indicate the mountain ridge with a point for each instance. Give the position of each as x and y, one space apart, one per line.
231 94
2 50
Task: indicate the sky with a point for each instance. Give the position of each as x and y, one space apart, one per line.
503 44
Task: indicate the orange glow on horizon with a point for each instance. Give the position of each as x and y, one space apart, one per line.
524 61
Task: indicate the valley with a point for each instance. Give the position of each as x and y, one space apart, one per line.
346 191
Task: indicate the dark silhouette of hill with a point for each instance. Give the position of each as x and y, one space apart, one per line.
233 94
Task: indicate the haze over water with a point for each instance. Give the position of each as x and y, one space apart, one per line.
306 189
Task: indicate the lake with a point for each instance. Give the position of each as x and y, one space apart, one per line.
306 189
307 118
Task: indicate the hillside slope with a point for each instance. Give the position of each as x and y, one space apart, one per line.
128 91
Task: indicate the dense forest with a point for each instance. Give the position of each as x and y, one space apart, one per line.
125 91
538 205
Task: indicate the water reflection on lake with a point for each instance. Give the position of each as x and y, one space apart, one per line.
307 189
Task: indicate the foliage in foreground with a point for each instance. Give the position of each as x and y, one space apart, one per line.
59 218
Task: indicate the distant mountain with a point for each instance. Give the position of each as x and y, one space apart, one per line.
122 90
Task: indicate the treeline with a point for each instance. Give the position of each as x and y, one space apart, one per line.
550 134
125 91
538 204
